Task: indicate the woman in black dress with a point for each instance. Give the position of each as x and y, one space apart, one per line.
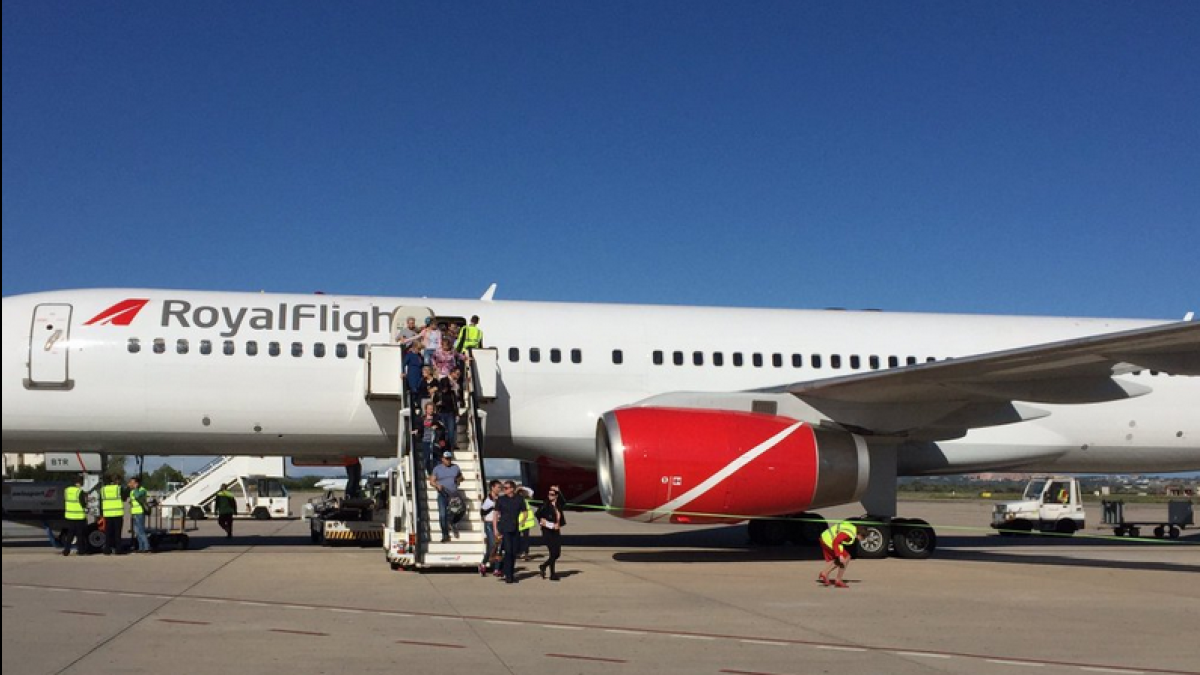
551 519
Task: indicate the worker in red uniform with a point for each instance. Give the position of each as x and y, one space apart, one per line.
834 543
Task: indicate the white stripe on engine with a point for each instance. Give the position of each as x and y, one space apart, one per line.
729 469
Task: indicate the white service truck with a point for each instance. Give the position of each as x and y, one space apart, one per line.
1049 504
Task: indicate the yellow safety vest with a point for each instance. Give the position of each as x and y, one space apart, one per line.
527 519
111 504
73 507
469 337
135 506
829 535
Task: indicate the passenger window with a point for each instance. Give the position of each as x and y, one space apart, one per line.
658 357
535 354
718 359
160 346
362 351
206 347
341 350
319 350
228 348
273 348
874 362
737 359
758 360
298 348
777 360
835 361
797 360
855 362
618 357
135 345
555 356
252 348
514 354
677 357
815 360
181 346
697 358
576 356
912 360
893 362
930 359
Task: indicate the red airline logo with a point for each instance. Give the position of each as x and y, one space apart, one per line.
120 314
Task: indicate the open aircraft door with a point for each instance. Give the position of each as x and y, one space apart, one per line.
49 346
400 317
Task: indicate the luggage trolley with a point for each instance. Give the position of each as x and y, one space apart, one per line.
167 527
1179 516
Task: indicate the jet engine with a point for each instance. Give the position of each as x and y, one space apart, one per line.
692 465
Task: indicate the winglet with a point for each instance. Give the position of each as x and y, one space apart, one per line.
487 295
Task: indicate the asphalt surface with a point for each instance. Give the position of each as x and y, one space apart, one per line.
634 598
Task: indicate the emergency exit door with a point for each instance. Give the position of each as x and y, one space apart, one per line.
49 346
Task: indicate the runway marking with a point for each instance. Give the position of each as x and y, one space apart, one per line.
692 637
430 644
504 623
298 632
1032 663
927 655
744 672
346 611
580 657
190 623
80 612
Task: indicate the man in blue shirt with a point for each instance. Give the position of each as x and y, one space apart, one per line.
445 479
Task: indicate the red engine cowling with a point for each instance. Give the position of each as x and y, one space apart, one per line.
707 466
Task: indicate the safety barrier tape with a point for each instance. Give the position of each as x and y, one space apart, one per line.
860 521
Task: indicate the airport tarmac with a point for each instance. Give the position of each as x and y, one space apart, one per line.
634 598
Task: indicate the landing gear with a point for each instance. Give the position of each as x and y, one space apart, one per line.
876 537
913 539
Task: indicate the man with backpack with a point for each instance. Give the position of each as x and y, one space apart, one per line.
445 479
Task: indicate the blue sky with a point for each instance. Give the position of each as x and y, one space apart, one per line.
1022 157
1018 157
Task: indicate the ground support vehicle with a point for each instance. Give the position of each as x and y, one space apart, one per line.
1180 515
353 520
1051 504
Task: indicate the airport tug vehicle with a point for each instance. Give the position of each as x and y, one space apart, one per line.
1050 504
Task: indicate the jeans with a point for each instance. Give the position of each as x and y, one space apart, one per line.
450 421
139 530
112 534
510 554
444 517
490 538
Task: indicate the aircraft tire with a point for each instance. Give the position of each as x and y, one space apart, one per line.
775 532
754 530
913 540
810 527
876 540
96 538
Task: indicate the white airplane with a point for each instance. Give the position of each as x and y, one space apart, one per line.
687 413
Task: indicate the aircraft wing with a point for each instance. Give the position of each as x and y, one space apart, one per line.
946 398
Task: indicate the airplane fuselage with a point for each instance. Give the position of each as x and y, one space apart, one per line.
191 372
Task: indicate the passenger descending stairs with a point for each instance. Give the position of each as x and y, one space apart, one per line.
420 511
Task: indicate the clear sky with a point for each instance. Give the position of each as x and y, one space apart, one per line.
1016 157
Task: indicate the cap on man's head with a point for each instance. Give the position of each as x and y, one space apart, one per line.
428 320
448 455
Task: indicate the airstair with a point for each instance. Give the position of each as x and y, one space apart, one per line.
412 535
200 492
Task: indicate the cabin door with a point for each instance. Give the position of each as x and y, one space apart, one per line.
49 343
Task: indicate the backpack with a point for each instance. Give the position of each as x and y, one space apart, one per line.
456 508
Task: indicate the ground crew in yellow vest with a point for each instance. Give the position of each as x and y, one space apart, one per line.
834 545
75 510
112 508
525 522
226 506
470 337
138 508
